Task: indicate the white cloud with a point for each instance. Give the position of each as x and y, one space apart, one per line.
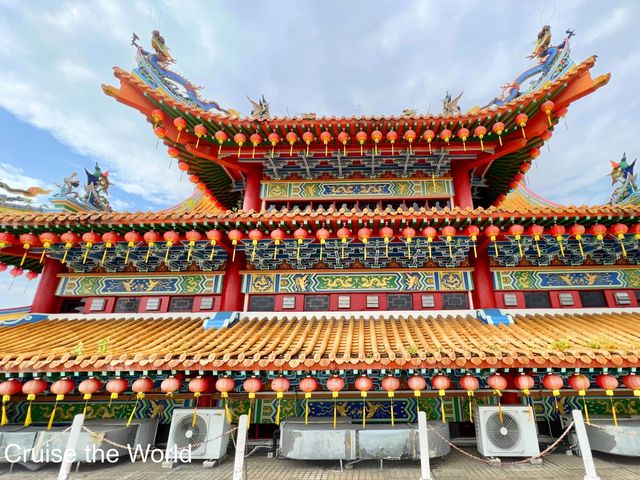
608 25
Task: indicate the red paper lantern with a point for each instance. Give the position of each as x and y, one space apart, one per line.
609 383
472 232
428 136
463 134
62 387
322 235
363 384
497 382
417 383
498 128
279 385
343 138
308 385
632 381
364 234
387 235
173 152
9 387
553 382
480 131
521 121
180 124
524 382
335 384
170 385
252 385
361 137
441 383
240 139
325 137
32 388
200 131
277 236
255 236
547 107
469 383
116 386
89 386
390 384
235 236
619 230
226 385
493 231
598 230
7 239
307 138
445 135
160 132
157 115
142 385
343 234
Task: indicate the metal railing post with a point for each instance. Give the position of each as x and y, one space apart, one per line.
585 448
241 442
423 436
69 451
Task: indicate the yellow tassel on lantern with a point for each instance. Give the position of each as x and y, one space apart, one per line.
279 396
364 408
139 396
191 245
498 394
275 250
495 245
67 247
112 397
149 247
620 238
252 400
433 180
5 400
45 245
391 395
213 250
535 239
233 256
583 394
322 242
225 396
298 249
104 254
195 408
444 416
53 412
559 240
166 255
470 394
307 396
450 248
609 394
335 408
126 255
417 395
253 252
86 253
519 245
30 398
344 241
86 398
579 239
409 248
527 392
364 240
386 246
556 394
24 255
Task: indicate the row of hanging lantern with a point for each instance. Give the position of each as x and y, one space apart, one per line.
361 137
163 243
308 385
16 272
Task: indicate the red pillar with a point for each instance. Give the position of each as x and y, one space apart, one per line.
252 200
510 398
232 296
484 295
461 186
45 299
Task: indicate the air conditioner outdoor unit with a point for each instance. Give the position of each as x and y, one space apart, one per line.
515 436
208 437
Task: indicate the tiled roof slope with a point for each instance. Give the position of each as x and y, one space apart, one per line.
310 342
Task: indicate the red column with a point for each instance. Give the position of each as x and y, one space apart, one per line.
461 185
510 398
232 296
45 299
252 200
484 295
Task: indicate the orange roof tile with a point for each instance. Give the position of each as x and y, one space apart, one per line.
75 343
175 216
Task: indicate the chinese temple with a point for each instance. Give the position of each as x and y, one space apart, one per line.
367 265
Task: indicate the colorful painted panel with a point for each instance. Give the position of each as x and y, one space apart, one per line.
116 285
357 189
385 281
406 409
66 410
565 279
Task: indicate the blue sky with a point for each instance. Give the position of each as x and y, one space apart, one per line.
329 57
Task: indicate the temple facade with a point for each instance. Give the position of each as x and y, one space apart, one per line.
399 256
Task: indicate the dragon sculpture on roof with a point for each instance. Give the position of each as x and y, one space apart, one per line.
153 69
553 61
624 182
